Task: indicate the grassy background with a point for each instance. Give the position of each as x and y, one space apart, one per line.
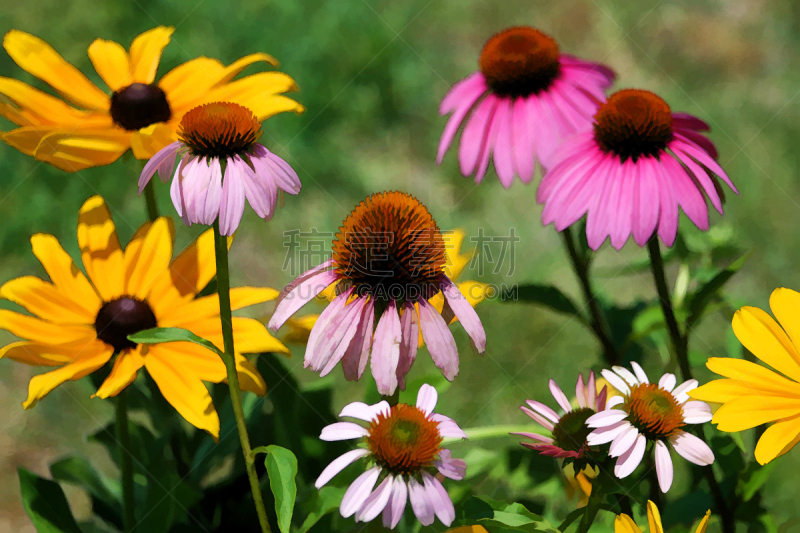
371 76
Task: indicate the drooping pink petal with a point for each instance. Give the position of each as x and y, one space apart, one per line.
259 188
175 191
459 113
343 431
439 340
427 398
233 198
338 339
700 140
523 141
686 146
339 464
448 427
409 325
487 149
462 92
332 313
606 434
358 492
692 448
542 421
450 468
393 512
301 293
543 410
364 412
687 193
602 211
420 503
606 418
646 207
168 153
628 462
685 120
386 350
503 149
464 312
354 361
664 469
377 501
285 177
474 135
437 495
571 205
621 222
559 396
699 174
623 442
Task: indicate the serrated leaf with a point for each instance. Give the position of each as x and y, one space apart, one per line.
162 335
703 295
45 504
282 468
548 296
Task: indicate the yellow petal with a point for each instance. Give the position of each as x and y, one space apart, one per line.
38 58
625 524
146 53
208 306
147 142
760 334
249 335
188 274
750 411
100 250
34 354
63 273
189 82
123 373
756 376
38 330
725 390
44 300
454 260
150 259
41 385
185 392
474 291
75 150
49 109
264 107
111 61
300 328
784 304
701 527
208 366
654 518
468 529
775 439
232 70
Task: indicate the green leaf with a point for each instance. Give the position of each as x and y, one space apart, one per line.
282 468
753 478
105 493
703 296
327 499
46 505
501 516
547 296
161 335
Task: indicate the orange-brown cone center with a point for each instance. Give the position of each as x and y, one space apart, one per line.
633 123
219 129
520 61
390 246
654 411
404 440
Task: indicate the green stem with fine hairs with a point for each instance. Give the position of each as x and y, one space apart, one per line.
125 461
150 200
680 345
223 289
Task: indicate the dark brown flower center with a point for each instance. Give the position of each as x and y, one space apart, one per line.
654 411
122 317
219 129
520 61
138 106
391 248
571 430
632 124
404 440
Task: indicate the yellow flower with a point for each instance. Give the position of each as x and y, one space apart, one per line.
81 321
455 261
625 524
91 127
752 394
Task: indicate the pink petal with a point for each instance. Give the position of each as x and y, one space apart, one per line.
338 340
464 312
455 121
286 178
585 196
386 350
442 504
607 434
692 448
409 325
175 193
623 442
420 503
681 391
626 374
358 492
259 188
628 462
233 196
343 431
606 418
522 141
688 147
448 427
700 140
339 464
450 468
310 285
591 392
685 120
354 361
646 208
603 209
534 436
364 412
168 153
559 395
427 398
616 381
377 501
503 150
580 392
699 174
332 313
470 88
614 401
393 512
663 466
542 409
621 221
439 340
488 146
474 136
667 382
696 412
687 193
542 421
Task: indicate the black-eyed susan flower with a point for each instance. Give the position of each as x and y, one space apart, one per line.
632 172
221 165
388 261
525 99
402 446
752 394
79 322
92 127
625 524
655 412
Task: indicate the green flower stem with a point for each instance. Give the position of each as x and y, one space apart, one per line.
223 289
150 199
125 461
493 432
598 322
680 345
590 511
392 399
571 517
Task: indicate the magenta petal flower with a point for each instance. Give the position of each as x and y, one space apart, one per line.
631 173
388 260
524 101
657 412
567 431
217 136
402 446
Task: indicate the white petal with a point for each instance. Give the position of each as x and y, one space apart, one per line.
616 381
696 412
376 502
640 375
393 512
448 427
625 374
664 469
364 412
667 382
629 461
606 434
339 464
692 449
343 431
681 392
442 504
420 504
358 492
606 418
623 442
427 398
614 401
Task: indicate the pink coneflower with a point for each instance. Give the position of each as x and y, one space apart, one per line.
217 137
533 98
654 412
388 260
631 173
402 446
568 431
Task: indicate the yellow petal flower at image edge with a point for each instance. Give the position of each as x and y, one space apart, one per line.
625 524
752 394
79 132
474 291
64 330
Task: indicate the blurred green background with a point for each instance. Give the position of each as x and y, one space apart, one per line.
371 76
